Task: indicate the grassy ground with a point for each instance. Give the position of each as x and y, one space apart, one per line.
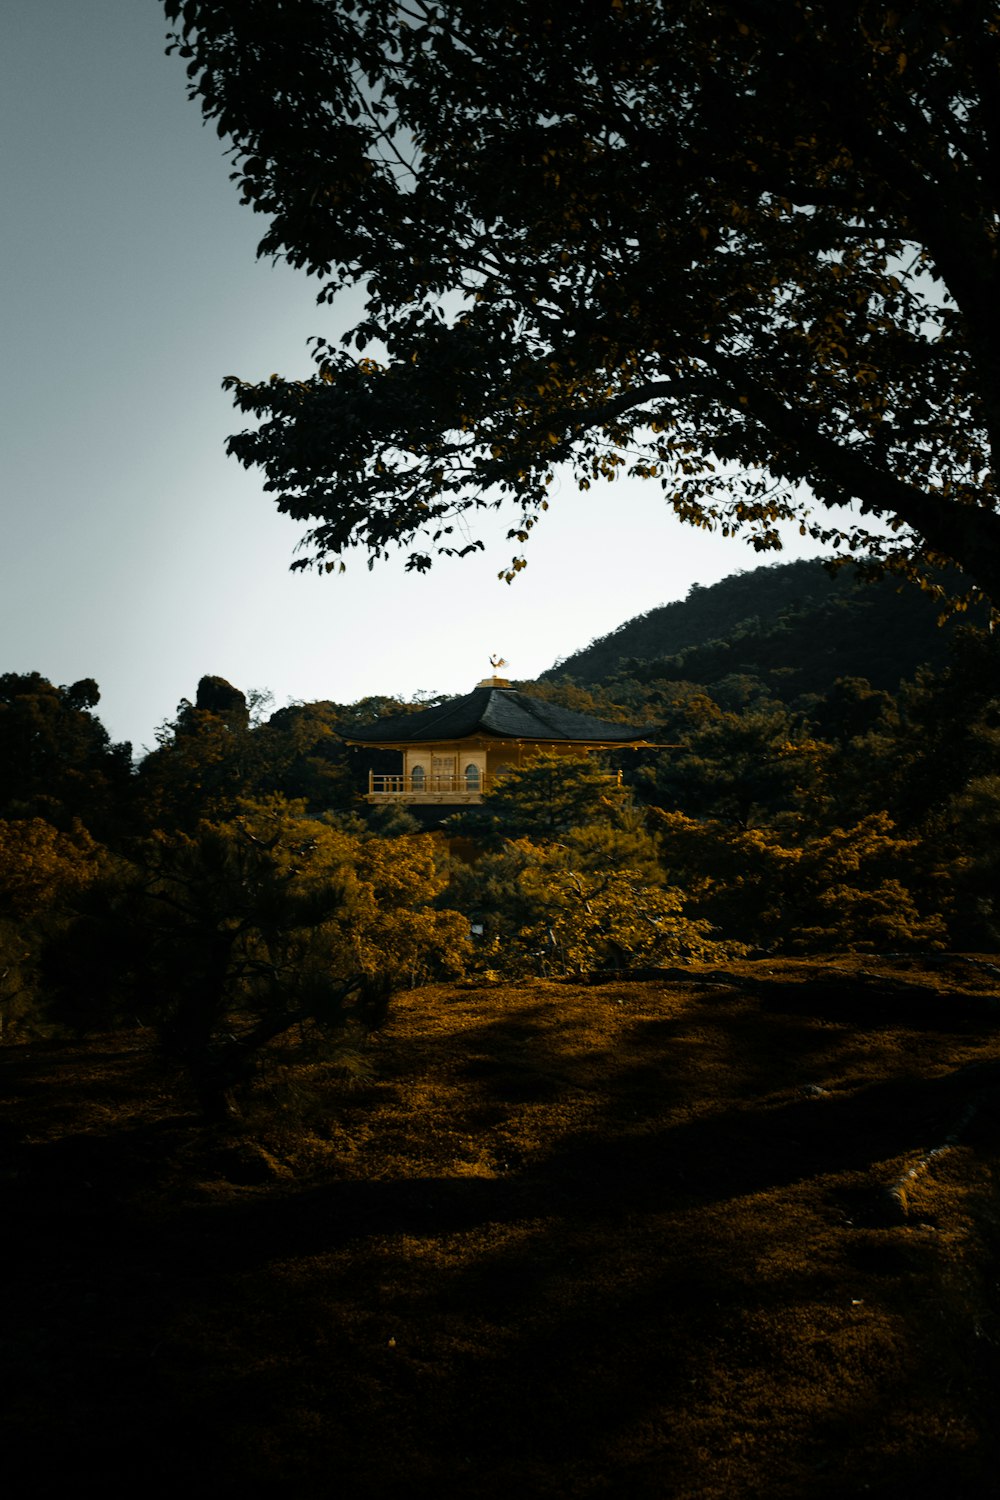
708 1235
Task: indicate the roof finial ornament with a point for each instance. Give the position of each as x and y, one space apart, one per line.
496 662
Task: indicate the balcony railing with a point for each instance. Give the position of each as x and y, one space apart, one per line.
428 788
454 789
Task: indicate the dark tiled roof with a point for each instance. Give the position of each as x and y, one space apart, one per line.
497 711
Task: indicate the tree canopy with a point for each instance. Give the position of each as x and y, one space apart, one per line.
746 248
56 757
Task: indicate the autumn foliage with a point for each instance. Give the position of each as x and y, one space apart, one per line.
234 888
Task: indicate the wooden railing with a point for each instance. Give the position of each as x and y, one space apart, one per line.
434 788
429 786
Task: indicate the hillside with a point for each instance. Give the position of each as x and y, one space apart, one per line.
795 625
713 1236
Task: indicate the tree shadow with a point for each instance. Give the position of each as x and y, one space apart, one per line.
669 1291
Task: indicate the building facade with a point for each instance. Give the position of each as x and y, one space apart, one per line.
453 754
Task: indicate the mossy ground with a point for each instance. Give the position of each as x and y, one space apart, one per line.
706 1235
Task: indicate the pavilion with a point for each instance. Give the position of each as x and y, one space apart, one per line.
453 754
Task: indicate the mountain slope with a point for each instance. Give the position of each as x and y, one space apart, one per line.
794 625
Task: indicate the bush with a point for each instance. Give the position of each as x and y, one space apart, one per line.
228 937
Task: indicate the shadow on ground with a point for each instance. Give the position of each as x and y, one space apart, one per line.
689 1237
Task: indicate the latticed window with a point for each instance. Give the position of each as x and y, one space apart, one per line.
443 772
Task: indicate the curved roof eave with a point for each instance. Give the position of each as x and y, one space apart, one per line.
501 713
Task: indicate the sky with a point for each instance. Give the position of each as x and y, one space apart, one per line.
133 550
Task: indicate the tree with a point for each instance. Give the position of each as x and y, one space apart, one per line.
245 929
39 866
206 757
216 751
850 889
549 794
41 871
565 907
746 249
739 767
57 761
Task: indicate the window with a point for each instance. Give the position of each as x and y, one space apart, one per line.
471 778
443 769
418 778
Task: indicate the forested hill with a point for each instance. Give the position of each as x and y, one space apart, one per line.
795 625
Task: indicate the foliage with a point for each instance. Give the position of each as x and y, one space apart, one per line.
376 706
739 766
941 731
849 711
815 618
221 749
568 878
40 866
41 870
405 934
849 889
303 757
546 908
848 818
216 751
735 250
230 936
593 699
973 825
550 794
795 626
56 758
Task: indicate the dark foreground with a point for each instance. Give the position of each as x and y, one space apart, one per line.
711 1235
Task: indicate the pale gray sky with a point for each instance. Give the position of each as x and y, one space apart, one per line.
133 551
